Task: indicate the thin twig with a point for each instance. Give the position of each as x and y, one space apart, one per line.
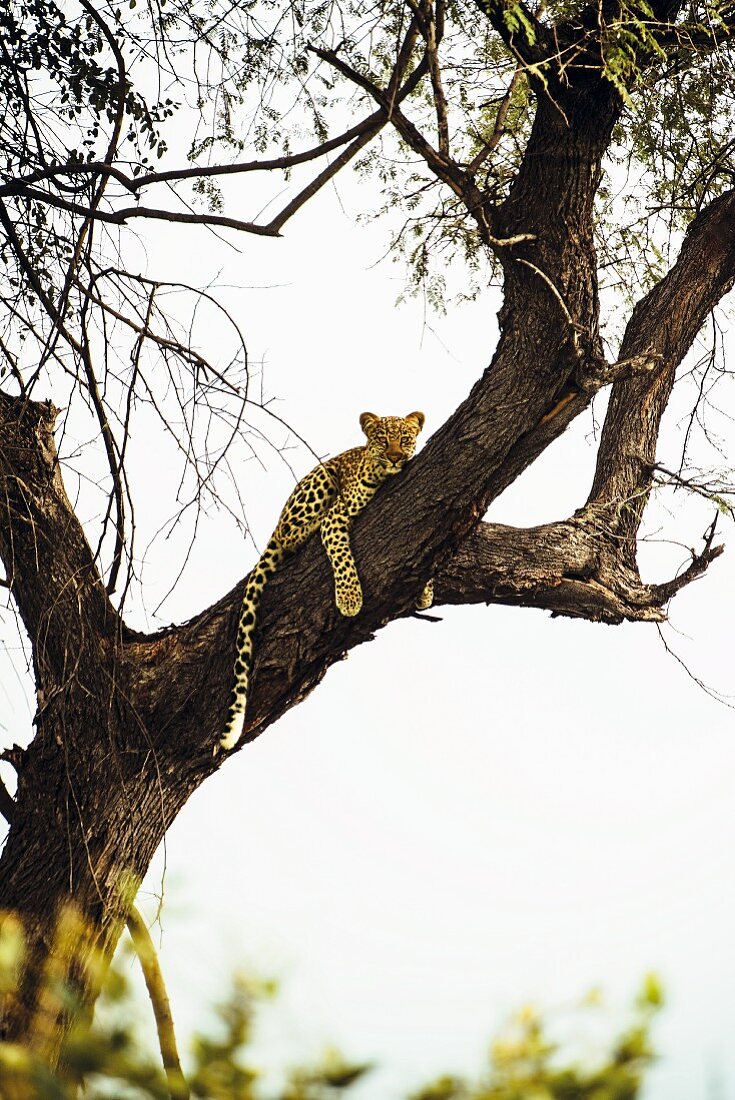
13 364
698 566
499 128
712 692
111 449
552 287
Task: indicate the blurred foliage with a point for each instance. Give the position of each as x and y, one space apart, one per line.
108 1058
527 1064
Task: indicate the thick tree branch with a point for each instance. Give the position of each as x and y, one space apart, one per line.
74 631
666 320
7 803
54 581
570 568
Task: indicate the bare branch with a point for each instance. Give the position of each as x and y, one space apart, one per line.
114 462
329 172
430 24
32 275
12 362
149 964
20 185
446 169
143 331
667 319
699 563
395 95
120 217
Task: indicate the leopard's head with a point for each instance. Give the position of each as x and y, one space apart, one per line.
391 440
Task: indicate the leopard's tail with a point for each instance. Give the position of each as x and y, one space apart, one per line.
269 562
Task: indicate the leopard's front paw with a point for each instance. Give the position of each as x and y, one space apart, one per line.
426 598
349 600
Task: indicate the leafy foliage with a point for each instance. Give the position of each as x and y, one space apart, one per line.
525 1062
109 1058
253 74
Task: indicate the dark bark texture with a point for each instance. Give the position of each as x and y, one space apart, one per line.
128 725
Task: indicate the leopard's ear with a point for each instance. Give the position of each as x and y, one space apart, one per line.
367 420
418 417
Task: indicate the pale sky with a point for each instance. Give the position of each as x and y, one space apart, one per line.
466 816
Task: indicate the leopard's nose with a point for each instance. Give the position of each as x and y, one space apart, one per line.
395 454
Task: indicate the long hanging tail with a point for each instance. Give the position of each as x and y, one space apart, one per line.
266 567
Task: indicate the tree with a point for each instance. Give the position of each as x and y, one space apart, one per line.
514 127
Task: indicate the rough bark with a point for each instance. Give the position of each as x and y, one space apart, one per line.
666 322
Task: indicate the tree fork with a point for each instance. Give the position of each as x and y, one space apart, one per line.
666 321
126 730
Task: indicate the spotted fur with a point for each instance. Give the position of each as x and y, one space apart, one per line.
328 498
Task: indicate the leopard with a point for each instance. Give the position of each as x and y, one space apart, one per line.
328 499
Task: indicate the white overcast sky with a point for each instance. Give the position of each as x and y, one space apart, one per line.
467 816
